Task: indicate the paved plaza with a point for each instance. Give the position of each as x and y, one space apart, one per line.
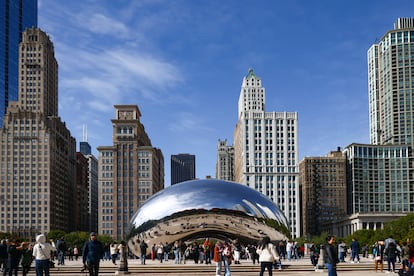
246 268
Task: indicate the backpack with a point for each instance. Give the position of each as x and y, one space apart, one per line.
392 249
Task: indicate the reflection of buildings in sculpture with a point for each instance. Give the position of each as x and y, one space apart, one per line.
130 171
214 208
266 150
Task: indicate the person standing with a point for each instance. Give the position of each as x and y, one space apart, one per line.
342 251
27 258
3 256
354 250
143 250
61 250
267 255
218 257
207 245
92 253
42 252
331 256
391 253
227 258
378 253
76 252
176 251
14 254
113 248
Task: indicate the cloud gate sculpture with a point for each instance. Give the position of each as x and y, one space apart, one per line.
198 209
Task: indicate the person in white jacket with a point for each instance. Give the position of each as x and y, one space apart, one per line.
41 253
267 255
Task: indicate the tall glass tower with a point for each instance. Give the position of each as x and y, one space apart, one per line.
15 17
391 86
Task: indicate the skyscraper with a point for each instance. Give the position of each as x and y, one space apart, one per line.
266 150
15 17
225 161
182 167
323 192
391 86
130 171
37 151
92 210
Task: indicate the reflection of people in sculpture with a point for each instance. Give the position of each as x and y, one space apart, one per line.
123 252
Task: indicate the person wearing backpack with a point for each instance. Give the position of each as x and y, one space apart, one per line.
391 252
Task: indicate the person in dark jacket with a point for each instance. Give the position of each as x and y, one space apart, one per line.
92 253
330 256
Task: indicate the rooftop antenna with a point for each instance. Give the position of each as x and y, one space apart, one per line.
84 133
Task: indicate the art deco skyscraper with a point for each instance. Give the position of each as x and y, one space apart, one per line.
266 150
15 17
129 172
37 151
391 86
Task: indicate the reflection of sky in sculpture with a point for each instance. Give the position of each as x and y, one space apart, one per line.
200 208
206 194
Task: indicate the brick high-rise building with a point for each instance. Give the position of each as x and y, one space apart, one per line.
323 192
37 150
130 171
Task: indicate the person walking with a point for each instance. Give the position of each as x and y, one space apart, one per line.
92 253
354 250
42 253
330 256
267 255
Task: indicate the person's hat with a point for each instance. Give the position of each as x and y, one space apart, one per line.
92 234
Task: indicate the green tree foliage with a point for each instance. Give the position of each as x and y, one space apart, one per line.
55 235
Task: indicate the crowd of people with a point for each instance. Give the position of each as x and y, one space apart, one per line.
267 254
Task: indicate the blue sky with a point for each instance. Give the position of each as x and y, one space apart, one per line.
182 62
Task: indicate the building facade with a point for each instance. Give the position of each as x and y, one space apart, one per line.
129 172
225 161
182 167
38 160
380 179
266 150
323 192
85 149
391 86
81 194
15 17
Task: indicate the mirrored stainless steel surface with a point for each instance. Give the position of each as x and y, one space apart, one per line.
207 208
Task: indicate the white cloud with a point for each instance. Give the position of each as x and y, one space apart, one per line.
102 24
